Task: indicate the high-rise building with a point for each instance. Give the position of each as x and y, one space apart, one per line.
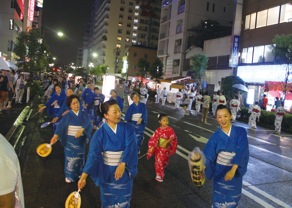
116 25
177 20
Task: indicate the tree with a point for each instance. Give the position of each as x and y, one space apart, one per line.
99 70
144 67
199 66
156 69
33 54
226 86
282 49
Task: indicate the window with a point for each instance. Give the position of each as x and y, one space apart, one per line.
243 55
258 54
121 17
129 25
122 1
249 55
136 20
118 46
286 13
179 26
127 39
252 21
131 3
120 24
119 38
129 18
213 8
273 15
262 18
269 56
207 6
130 11
181 7
120 31
128 32
247 22
176 62
122 9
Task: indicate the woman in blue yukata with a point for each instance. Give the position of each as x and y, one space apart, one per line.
55 102
137 115
118 99
72 132
227 155
112 159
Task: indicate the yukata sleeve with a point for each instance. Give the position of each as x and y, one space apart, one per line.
211 156
93 165
62 130
129 113
130 153
62 110
145 115
152 143
87 126
173 143
242 152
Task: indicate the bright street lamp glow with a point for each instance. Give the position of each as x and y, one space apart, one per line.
94 55
60 34
54 58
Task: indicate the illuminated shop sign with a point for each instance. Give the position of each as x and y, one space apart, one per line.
234 52
31 10
40 3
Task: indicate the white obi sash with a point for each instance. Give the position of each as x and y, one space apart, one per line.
224 158
72 130
96 102
112 158
56 105
136 116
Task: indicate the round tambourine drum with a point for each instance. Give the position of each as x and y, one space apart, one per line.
44 149
73 200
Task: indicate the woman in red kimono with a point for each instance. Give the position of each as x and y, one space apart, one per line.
162 144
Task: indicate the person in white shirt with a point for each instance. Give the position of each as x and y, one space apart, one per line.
234 107
158 92
164 95
19 89
255 113
179 97
143 93
199 99
192 96
214 103
11 189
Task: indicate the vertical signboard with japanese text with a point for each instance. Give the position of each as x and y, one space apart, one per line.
31 5
234 51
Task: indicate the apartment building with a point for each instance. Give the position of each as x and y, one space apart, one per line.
177 20
262 20
119 24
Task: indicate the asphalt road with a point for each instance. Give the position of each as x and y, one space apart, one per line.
268 182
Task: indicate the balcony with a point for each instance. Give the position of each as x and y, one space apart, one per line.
179 29
181 9
161 53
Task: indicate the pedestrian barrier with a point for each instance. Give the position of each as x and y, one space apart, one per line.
14 135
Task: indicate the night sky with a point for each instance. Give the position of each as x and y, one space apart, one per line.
70 17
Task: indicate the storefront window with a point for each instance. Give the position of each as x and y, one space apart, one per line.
269 56
243 55
273 15
258 54
249 55
286 13
262 18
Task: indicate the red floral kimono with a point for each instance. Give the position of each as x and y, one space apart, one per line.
162 144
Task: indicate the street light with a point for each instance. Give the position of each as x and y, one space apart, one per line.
94 55
60 34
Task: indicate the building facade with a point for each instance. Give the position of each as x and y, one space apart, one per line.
17 16
262 20
116 25
177 20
